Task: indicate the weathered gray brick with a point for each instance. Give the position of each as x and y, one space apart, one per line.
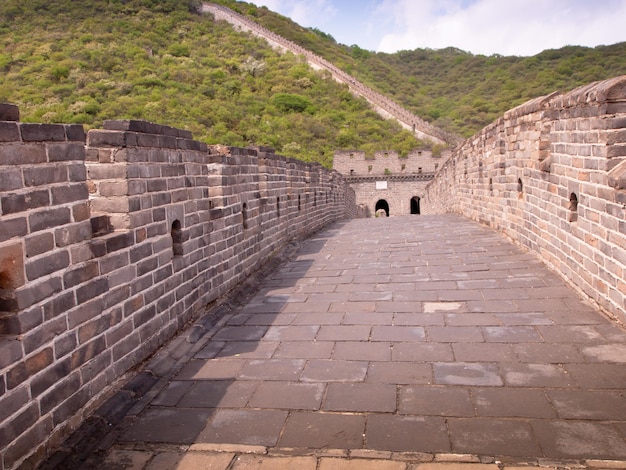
60 392
65 344
42 132
29 367
87 352
69 193
14 400
38 244
9 131
93 289
85 312
45 174
48 264
148 140
80 274
69 151
21 322
11 180
81 212
71 406
105 138
50 218
19 424
71 234
12 227
91 329
108 171
52 375
22 154
111 205
59 304
21 202
35 292
10 352
9 112
113 188
116 295
75 132
24 443
119 241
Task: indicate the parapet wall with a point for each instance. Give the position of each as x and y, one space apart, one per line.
551 175
108 249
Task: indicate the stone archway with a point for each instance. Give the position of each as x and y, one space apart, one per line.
415 205
383 206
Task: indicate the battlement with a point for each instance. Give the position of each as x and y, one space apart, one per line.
354 163
551 175
112 241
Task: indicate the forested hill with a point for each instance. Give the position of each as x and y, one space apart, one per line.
450 88
87 61
159 60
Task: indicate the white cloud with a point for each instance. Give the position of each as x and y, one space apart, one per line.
511 27
304 12
506 27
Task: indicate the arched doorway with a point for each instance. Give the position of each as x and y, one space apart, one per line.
382 205
415 205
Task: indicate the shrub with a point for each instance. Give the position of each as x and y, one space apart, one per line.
287 102
179 50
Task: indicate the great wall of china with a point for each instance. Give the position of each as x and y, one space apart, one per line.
112 241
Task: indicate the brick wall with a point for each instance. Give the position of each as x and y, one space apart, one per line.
110 243
551 175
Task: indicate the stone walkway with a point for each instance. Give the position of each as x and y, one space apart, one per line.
389 343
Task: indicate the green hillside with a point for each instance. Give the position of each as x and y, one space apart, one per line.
464 92
450 88
86 61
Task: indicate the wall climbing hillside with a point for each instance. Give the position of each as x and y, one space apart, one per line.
383 105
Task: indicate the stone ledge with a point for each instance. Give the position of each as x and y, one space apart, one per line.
42 132
145 127
365 179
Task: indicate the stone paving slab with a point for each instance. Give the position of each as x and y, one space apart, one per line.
389 338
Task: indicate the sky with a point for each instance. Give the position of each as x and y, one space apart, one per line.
504 27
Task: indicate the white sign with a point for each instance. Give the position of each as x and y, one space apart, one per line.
381 185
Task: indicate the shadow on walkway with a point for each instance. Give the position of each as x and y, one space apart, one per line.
422 334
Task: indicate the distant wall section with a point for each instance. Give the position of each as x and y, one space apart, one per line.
386 107
386 181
